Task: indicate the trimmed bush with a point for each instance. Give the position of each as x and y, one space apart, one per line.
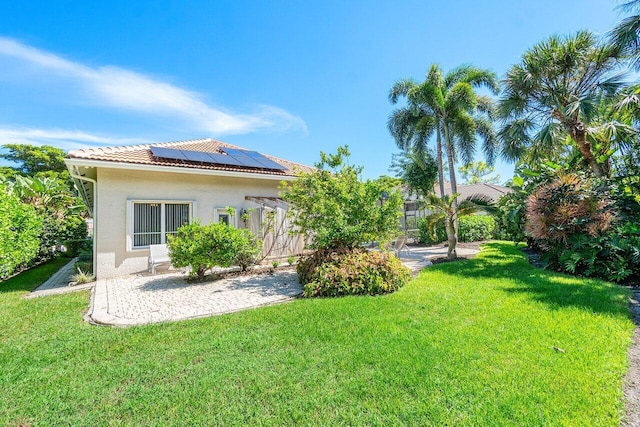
201 247
473 228
426 235
20 228
331 273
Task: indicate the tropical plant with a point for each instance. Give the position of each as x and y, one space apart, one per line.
336 209
444 210
552 100
626 35
447 105
331 273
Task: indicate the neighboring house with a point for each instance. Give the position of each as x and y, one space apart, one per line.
138 195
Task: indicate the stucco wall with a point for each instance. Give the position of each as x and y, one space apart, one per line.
116 187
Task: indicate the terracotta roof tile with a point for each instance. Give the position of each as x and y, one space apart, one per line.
141 154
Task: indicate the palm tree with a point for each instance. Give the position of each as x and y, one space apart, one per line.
626 35
445 209
554 95
447 105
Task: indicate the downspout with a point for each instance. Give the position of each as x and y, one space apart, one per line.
75 174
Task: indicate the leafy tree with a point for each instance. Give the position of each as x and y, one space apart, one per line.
33 159
19 231
418 169
476 172
447 105
336 209
444 210
552 97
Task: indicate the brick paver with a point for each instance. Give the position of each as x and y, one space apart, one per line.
141 299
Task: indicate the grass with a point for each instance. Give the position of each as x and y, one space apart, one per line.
466 343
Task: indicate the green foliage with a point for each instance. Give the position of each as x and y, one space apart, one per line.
19 231
291 259
417 168
471 228
430 235
477 172
201 247
33 159
275 264
445 210
510 217
336 209
474 228
331 273
585 227
82 277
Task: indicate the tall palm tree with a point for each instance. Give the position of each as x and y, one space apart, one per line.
447 105
554 94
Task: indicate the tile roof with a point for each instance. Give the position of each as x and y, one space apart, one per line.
493 191
141 154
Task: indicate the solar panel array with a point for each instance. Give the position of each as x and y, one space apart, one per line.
232 157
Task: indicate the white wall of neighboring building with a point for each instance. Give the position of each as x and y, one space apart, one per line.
117 187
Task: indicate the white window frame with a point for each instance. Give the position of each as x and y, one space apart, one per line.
130 219
224 211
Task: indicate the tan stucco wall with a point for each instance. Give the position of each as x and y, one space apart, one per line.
116 187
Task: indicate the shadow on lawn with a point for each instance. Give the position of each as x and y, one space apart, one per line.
503 260
32 278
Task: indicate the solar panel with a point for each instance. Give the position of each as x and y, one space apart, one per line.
233 157
197 156
253 159
167 153
225 160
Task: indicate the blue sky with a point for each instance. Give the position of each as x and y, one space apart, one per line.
285 78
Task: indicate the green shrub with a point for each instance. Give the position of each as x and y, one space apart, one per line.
202 247
473 228
355 271
426 235
19 230
510 217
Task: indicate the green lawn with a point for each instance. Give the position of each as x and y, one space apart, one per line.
466 343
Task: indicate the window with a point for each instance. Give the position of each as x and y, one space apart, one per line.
222 215
152 222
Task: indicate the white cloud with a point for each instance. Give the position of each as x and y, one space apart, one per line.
65 139
127 90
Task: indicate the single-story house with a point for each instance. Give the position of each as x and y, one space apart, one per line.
138 195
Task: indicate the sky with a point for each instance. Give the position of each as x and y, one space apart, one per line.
285 78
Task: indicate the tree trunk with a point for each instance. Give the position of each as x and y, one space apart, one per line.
452 238
439 159
578 133
452 178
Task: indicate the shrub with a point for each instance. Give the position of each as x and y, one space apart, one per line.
82 277
202 247
583 230
426 234
355 271
336 209
510 217
19 230
473 228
